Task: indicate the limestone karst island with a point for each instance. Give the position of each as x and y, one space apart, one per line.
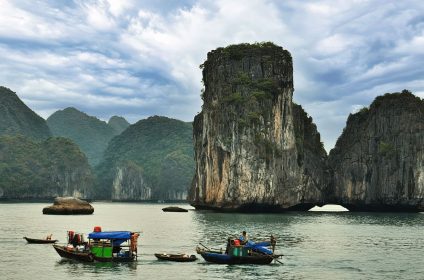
251 148
256 150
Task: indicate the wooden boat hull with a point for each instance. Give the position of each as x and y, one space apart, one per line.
117 259
39 241
74 255
228 259
176 258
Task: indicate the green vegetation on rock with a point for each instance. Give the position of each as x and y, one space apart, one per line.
17 119
239 51
386 149
54 167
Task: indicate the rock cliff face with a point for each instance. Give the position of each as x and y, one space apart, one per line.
254 148
378 161
128 183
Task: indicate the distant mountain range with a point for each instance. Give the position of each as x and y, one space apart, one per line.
152 159
91 134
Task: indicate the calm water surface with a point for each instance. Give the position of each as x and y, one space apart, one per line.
316 245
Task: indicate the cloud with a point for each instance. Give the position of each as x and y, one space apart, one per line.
141 58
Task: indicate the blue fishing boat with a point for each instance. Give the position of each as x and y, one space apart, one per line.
249 253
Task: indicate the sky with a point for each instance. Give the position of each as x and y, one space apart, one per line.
141 58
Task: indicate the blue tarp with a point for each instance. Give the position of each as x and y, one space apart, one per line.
251 244
110 235
259 247
263 243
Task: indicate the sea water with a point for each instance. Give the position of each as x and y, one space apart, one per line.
316 245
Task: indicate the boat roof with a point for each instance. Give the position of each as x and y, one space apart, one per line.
110 235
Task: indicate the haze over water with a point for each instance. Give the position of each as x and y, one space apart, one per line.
316 245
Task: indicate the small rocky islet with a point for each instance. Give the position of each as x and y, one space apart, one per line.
68 206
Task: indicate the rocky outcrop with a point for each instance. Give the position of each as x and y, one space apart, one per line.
174 209
69 206
378 161
254 149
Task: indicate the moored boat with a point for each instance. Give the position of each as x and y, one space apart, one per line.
40 241
176 257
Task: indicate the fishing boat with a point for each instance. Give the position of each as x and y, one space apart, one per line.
113 246
106 246
222 258
176 257
40 241
235 253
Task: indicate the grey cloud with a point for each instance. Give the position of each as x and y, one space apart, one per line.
140 58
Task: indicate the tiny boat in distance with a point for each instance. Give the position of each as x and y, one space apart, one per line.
40 241
176 257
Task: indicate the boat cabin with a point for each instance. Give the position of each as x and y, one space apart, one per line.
113 245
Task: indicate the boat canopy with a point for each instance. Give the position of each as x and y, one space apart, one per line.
110 235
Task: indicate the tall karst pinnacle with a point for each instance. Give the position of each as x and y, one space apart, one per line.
254 148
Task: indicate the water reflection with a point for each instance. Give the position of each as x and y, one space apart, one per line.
74 267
